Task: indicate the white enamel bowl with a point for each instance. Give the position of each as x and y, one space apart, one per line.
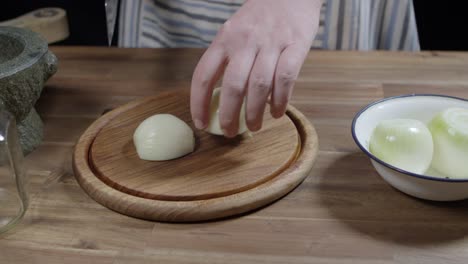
421 107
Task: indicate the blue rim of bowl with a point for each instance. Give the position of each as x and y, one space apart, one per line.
370 155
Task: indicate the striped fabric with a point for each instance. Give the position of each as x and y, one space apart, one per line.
344 24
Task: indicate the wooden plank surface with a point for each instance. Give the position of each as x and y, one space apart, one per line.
342 213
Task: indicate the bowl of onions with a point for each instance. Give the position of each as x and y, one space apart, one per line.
417 143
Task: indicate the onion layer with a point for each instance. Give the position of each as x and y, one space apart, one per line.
404 143
450 134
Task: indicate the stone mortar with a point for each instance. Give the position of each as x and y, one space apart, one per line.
25 65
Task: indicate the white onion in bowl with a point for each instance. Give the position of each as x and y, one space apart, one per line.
403 143
450 134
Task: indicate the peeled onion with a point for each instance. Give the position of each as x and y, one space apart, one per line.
214 126
163 137
404 143
450 134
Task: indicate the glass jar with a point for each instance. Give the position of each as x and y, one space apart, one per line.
13 183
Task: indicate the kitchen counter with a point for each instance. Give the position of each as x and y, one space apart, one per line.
342 213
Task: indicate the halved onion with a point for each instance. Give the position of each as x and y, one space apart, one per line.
404 143
450 134
214 126
163 137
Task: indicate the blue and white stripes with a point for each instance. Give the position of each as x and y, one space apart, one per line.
344 24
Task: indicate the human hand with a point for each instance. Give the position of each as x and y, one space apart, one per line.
260 50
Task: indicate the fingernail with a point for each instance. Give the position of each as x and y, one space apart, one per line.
256 127
199 124
277 114
227 133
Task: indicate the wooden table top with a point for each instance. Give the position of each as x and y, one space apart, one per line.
343 212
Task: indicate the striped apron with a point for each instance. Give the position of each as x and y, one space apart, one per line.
344 24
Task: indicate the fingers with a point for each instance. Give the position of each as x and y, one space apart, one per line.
233 91
208 71
259 87
264 73
287 70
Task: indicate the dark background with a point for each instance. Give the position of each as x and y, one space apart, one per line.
86 18
442 25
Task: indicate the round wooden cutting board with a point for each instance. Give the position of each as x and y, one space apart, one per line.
222 177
